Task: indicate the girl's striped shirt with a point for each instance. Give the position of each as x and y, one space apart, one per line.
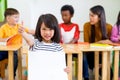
53 47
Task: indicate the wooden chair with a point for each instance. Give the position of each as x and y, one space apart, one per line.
3 64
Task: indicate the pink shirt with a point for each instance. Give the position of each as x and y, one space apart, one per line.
114 34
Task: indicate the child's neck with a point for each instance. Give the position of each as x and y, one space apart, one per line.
12 25
47 41
68 23
97 24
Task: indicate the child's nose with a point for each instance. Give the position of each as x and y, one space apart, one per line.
47 31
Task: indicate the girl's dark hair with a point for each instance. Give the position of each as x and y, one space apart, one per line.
118 22
69 8
10 11
99 10
51 22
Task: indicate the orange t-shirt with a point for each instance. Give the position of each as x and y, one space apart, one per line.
8 31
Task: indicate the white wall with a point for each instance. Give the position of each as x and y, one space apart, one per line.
30 10
23 6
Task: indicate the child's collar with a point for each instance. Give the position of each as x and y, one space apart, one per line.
46 43
11 25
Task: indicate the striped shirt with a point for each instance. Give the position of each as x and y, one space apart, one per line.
53 47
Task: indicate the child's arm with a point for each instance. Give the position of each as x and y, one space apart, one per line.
25 36
28 39
107 41
3 39
73 41
76 35
114 34
31 31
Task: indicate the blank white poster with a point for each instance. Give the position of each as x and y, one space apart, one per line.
44 65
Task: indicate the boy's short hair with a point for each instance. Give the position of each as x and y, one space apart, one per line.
69 8
10 11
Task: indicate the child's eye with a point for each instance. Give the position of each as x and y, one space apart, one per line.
43 29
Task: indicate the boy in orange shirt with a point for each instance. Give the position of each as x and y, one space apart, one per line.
9 29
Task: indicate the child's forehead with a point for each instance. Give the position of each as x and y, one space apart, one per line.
65 11
43 25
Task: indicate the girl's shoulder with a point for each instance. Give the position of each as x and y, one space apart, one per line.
115 25
57 46
87 24
74 24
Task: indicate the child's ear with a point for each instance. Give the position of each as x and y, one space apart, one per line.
7 18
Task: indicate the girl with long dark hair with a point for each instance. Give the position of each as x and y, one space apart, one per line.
96 30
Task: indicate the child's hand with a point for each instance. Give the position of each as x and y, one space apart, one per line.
67 69
21 28
105 42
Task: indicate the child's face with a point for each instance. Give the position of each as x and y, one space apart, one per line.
46 33
94 19
66 16
13 19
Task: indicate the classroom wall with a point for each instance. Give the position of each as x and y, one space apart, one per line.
30 10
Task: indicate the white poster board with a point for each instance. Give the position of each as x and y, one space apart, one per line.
43 65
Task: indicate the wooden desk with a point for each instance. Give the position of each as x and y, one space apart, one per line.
105 53
10 50
69 50
116 63
75 48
